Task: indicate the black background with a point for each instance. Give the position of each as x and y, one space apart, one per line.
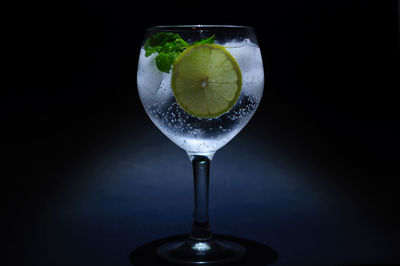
69 68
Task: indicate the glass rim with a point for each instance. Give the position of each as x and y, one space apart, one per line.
198 27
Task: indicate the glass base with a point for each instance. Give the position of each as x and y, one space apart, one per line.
195 252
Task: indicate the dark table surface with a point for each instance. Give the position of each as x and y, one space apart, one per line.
91 192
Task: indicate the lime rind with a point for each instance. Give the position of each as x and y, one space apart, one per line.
210 66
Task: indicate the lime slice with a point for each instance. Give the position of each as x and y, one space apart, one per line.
206 80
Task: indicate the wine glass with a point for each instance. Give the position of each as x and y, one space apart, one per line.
200 85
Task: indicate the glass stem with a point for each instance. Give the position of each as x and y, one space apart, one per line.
201 225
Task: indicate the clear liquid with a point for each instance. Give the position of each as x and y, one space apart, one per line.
201 135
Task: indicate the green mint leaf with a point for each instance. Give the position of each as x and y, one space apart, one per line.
164 42
168 46
162 38
209 40
151 50
164 61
